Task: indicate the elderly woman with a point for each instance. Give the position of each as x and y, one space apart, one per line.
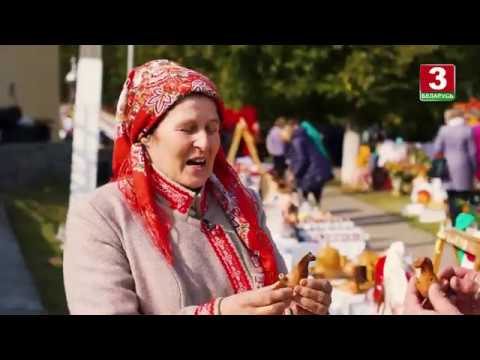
175 232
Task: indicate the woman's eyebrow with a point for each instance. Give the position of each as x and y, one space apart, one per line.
186 122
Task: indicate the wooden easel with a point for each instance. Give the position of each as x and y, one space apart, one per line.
459 240
241 132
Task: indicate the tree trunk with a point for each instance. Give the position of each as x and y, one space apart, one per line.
351 145
88 102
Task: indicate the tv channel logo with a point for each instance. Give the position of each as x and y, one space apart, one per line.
437 82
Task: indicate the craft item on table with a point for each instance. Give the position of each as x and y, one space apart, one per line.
349 269
329 263
357 285
395 279
427 201
429 193
304 212
368 259
379 291
424 197
299 272
290 215
366 262
424 274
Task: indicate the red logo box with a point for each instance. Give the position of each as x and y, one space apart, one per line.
437 82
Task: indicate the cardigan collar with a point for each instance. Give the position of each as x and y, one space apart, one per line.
177 196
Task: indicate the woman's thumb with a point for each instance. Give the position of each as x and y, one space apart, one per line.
440 302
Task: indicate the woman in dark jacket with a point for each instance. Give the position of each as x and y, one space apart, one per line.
312 170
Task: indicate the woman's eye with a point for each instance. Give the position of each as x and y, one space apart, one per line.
212 129
188 130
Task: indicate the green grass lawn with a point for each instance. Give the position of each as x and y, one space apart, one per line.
35 217
392 204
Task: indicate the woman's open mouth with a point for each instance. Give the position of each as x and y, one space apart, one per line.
197 163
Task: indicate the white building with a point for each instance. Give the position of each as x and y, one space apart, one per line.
35 72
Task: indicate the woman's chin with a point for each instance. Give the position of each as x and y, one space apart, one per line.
194 183
195 177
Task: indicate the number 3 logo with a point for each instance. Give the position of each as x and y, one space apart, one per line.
440 72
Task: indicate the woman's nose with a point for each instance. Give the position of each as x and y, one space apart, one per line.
201 140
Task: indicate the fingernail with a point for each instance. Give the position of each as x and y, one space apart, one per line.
303 282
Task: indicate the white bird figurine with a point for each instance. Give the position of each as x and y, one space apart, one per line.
395 279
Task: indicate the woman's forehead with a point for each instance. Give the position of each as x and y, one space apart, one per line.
195 107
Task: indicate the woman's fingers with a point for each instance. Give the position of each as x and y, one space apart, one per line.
440 302
297 310
451 271
273 309
315 295
267 296
317 284
312 306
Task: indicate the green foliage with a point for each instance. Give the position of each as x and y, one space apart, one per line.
35 217
357 84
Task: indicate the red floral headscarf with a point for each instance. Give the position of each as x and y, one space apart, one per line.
149 92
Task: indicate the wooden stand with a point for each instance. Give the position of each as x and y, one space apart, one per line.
459 240
268 186
242 132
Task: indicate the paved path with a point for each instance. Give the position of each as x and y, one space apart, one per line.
18 295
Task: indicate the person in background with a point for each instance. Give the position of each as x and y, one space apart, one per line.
311 169
475 113
456 144
276 147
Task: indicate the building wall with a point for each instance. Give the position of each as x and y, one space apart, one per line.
35 70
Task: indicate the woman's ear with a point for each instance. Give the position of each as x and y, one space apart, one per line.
145 140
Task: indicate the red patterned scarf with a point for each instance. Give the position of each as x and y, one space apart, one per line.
149 92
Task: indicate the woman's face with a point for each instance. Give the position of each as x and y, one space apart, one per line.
186 142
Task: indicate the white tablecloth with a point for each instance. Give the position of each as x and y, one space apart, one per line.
345 303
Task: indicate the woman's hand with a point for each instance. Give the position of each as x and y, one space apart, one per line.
439 304
264 301
312 297
463 288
